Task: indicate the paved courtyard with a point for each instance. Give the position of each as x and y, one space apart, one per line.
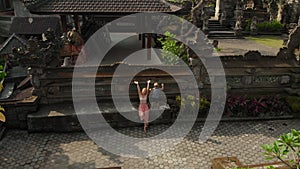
19 149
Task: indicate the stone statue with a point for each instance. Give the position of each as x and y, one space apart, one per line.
238 26
205 18
253 26
75 40
292 44
223 18
33 45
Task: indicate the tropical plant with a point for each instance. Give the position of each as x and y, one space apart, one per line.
257 106
237 106
286 149
2 75
241 106
2 117
192 101
172 49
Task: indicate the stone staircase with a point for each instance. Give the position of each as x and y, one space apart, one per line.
63 117
56 111
218 31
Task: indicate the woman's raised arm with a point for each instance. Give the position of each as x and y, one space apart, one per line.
138 87
148 86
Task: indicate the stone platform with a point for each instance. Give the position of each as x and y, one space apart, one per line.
63 118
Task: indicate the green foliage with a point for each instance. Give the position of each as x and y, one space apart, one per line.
211 5
2 61
2 76
293 102
192 101
268 167
218 49
172 49
288 145
248 25
273 26
2 116
2 73
204 104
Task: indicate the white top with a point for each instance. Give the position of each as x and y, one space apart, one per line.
143 99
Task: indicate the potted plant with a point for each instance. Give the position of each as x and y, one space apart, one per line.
226 162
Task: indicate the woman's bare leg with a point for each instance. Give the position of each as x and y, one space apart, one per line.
145 127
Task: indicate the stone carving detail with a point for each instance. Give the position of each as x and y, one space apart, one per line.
54 90
285 79
284 54
234 80
196 66
292 43
258 80
266 79
41 54
247 80
35 75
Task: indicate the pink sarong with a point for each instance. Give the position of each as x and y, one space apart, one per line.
144 112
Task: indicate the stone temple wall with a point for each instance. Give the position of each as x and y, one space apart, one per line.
250 74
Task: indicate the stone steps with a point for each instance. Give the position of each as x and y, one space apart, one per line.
218 31
222 35
63 118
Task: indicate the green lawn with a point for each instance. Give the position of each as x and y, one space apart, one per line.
267 40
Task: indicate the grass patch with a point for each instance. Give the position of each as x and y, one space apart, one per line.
267 40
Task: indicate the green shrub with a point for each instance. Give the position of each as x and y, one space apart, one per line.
273 26
293 102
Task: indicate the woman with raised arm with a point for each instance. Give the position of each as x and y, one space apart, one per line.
143 107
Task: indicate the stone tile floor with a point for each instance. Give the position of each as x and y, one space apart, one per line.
20 149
